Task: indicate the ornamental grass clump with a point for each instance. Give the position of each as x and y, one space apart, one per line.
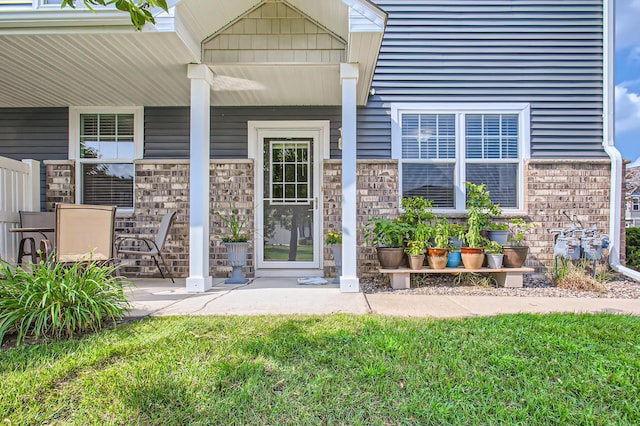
576 278
59 301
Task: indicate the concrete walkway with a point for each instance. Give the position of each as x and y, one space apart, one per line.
269 296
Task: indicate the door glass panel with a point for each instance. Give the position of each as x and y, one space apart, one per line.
288 206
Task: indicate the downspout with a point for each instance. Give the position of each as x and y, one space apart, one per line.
608 141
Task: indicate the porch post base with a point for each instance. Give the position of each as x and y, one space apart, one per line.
349 284
199 284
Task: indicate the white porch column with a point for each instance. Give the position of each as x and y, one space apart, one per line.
199 279
349 281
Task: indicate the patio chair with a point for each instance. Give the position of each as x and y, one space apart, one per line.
30 241
144 246
83 233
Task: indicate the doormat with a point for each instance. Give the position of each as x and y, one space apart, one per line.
312 281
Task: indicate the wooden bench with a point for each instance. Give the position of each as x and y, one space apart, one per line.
505 277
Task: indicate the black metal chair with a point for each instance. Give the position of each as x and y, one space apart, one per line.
144 246
30 242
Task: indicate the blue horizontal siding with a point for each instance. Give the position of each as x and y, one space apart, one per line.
167 128
37 134
546 53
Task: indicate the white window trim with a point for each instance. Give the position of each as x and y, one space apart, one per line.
74 140
524 128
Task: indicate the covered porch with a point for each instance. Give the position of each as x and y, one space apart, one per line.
204 54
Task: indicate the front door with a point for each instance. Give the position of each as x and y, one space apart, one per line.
288 233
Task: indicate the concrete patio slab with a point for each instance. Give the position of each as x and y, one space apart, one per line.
274 296
262 296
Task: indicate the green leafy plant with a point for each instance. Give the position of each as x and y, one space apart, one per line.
633 248
56 300
236 224
137 10
498 226
493 247
418 237
456 230
442 233
417 210
386 232
480 210
415 247
518 227
333 237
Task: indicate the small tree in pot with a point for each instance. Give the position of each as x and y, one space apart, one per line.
480 210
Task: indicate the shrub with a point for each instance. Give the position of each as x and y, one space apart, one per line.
633 248
56 300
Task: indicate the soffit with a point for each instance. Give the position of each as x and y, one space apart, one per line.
93 69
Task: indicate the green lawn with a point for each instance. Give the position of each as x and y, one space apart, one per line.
339 369
304 252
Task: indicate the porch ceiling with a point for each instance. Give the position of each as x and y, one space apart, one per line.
65 65
43 70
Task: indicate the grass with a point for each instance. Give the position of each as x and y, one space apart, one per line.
304 252
340 369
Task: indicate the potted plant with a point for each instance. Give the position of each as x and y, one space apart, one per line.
438 255
493 252
515 252
418 237
334 241
498 232
236 243
456 231
415 253
389 236
480 210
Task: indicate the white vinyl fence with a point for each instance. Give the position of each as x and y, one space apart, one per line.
19 190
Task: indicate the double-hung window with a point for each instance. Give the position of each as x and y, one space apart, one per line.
442 146
104 143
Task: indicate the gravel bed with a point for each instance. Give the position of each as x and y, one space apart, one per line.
618 287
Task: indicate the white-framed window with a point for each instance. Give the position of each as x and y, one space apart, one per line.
635 203
442 146
104 142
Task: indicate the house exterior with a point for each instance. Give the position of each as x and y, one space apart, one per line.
632 191
309 115
632 216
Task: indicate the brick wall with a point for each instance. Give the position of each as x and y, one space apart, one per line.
60 183
377 185
232 186
579 188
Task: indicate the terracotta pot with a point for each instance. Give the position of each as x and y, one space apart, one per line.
514 257
472 257
390 257
437 257
416 261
